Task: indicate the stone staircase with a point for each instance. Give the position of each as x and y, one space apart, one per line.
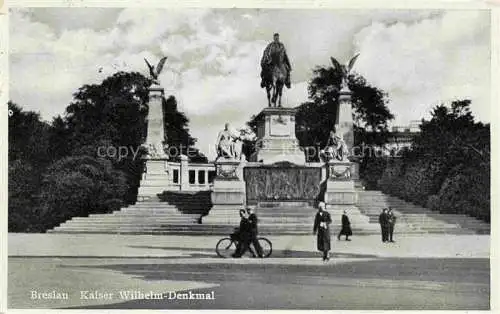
174 213
413 218
181 213
284 218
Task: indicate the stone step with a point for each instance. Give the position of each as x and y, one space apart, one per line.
156 212
434 215
227 231
282 204
389 204
138 221
221 233
105 225
168 206
263 226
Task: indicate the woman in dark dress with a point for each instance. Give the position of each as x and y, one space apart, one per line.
346 227
322 223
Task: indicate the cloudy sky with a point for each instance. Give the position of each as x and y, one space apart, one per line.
419 57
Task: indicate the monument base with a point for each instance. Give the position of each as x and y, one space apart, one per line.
340 193
276 137
154 181
228 193
272 155
340 196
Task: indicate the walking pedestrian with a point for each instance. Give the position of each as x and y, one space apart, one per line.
383 220
346 227
391 218
321 227
252 218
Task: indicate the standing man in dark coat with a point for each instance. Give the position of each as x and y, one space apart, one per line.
252 218
243 234
383 220
346 227
391 218
322 228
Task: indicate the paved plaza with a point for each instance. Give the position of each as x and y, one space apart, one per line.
416 272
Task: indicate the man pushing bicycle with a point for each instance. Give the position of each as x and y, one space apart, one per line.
247 234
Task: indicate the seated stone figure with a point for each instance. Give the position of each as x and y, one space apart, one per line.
225 143
335 149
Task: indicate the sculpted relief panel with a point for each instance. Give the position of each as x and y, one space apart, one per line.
282 184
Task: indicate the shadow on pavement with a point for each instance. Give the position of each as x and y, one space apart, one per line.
267 286
275 254
475 270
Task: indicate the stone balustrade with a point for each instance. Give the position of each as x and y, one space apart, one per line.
163 175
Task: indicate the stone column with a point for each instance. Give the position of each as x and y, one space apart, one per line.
156 131
340 192
344 121
155 179
184 173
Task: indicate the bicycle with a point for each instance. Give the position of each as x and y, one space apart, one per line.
227 246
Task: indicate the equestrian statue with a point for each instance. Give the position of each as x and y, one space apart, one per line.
275 72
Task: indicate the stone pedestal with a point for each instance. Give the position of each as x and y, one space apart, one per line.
341 195
155 179
228 193
276 137
340 186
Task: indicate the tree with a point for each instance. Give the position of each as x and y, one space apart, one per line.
79 186
178 138
448 165
29 156
452 132
28 137
316 118
23 191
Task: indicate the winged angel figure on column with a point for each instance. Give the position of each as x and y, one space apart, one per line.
154 72
345 69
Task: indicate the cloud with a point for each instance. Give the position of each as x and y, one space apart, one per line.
435 60
418 57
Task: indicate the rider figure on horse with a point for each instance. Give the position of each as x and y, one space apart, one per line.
274 56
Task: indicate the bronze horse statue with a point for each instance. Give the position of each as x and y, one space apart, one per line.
274 85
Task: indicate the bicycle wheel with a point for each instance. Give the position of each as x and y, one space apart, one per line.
225 247
267 247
